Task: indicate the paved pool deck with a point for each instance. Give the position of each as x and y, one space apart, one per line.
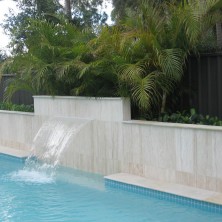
171 188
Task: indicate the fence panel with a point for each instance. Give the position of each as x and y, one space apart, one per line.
203 79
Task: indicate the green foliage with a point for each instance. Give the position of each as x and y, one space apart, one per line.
141 57
189 118
6 66
3 56
208 44
148 50
158 37
16 25
85 13
120 8
15 107
59 61
54 58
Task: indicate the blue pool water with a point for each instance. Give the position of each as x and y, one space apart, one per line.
76 196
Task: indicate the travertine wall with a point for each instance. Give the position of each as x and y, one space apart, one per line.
189 155
178 153
17 129
108 109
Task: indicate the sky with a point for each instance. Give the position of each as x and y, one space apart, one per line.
4 9
5 5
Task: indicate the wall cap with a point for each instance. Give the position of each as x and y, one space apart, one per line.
173 125
81 97
16 112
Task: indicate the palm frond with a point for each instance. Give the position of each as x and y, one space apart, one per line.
144 91
131 72
171 62
16 84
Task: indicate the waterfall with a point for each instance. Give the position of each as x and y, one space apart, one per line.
52 139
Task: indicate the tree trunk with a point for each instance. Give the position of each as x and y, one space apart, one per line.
68 9
163 105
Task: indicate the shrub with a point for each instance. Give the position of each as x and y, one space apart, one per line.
16 107
189 118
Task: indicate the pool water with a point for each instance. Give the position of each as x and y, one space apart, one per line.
72 195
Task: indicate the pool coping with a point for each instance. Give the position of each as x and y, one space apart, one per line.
184 191
14 152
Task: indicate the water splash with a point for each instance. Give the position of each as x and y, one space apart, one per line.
49 143
32 176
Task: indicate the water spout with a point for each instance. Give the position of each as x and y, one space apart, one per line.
49 144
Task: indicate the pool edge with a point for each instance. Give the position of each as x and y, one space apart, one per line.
180 193
13 152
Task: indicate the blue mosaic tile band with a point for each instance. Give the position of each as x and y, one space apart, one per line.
203 205
10 157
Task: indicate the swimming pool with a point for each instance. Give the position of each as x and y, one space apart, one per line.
77 196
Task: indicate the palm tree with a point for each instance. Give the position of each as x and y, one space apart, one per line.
142 57
55 55
59 61
153 42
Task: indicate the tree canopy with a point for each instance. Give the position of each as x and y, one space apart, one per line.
84 13
141 56
121 7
